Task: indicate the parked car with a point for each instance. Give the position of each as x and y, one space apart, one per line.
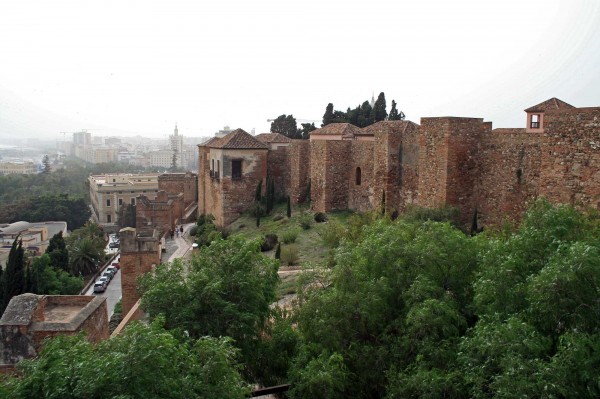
112 269
117 265
108 274
99 286
114 245
104 279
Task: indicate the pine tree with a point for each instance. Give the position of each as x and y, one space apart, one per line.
328 116
379 113
13 279
289 207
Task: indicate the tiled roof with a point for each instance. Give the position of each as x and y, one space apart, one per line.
371 129
344 129
272 138
548 105
238 139
209 141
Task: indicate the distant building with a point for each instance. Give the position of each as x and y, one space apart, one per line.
109 192
36 236
82 138
106 155
17 168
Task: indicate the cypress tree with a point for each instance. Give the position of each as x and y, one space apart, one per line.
308 191
278 251
474 223
383 203
379 113
289 207
328 116
13 281
258 193
394 114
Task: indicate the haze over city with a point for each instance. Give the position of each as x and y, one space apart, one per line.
127 68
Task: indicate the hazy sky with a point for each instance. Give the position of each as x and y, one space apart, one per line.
141 66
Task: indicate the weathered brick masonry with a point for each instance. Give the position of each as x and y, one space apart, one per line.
460 162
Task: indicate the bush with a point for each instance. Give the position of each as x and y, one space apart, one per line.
269 242
305 221
289 255
289 236
258 210
320 217
193 230
333 234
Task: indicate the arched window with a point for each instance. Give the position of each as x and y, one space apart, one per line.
358 176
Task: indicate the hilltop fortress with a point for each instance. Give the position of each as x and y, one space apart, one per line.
460 162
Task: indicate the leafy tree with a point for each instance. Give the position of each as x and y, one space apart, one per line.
58 252
46 162
225 290
143 362
44 279
365 115
286 125
306 129
394 114
13 278
56 207
379 112
328 116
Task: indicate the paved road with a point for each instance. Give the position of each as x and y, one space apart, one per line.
112 293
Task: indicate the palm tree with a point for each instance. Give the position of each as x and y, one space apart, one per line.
85 256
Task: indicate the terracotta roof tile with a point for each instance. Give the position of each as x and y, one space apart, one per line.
549 105
344 129
272 138
237 139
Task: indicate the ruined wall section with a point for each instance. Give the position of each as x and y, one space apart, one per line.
509 174
433 161
278 168
448 163
571 158
238 194
462 175
407 177
203 176
140 252
360 196
299 163
330 172
175 183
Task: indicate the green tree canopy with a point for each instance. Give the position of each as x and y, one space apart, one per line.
286 125
379 112
13 279
225 290
328 115
143 362
395 115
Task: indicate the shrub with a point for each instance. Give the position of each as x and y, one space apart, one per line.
269 242
305 221
258 210
193 230
333 234
320 217
289 236
289 255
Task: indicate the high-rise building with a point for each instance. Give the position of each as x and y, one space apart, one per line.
176 144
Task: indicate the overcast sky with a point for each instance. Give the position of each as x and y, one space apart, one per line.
141 66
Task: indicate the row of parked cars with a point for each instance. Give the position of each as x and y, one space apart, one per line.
102 283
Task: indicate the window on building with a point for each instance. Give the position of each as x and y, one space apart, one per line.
120 201
236 169
108 202
133 201
114 180
358 176
535 121
108 219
